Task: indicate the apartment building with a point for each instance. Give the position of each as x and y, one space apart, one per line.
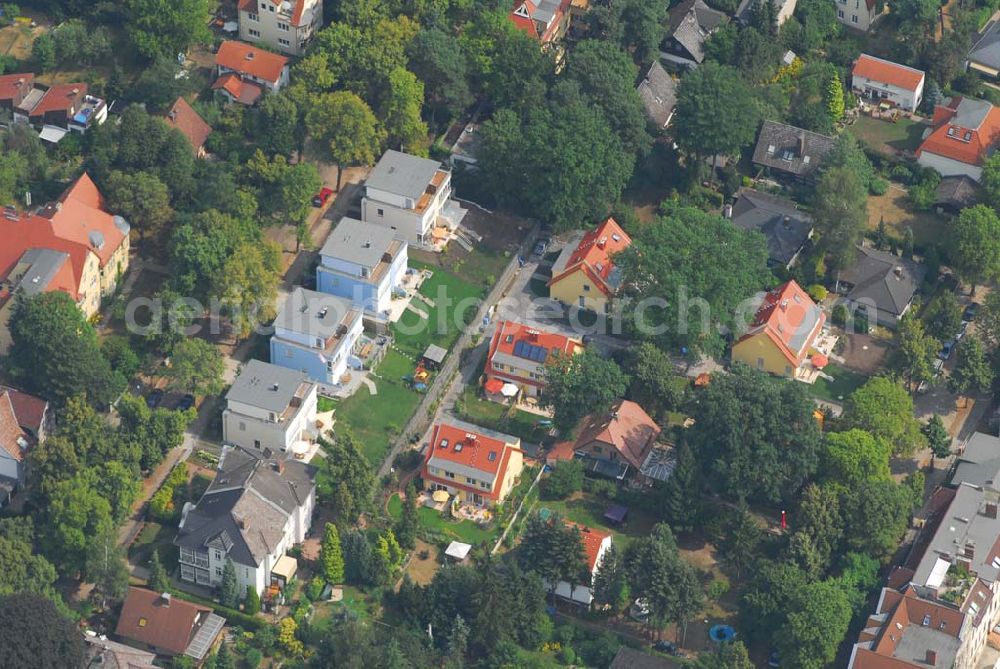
284 25
317 334
412 197
363 263
270 407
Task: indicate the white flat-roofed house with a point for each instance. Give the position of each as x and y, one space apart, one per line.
363 263
884 81
269 407
412 197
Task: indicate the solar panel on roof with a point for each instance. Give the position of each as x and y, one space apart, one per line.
523 349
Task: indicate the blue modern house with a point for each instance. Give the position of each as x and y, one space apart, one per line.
364 263
318 334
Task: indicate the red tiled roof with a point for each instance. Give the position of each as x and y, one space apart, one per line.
250 60
783 313
593 254
904 610
474 452
34 232
168 626
245 92
627 427
63 97
529 26
29 410
80 213
183 117
887 72
10 431
592 540
509 335
954 146
12 86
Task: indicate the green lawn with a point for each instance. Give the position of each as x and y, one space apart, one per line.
463 530
493 415
355 601
155 536
844 383
376 419
588 510
455 303
903 135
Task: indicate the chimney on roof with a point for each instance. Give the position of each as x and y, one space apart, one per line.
990 510
274 387
802 144
279 466
165 598
172 115
249 55
898 271
931 657
242 522
602 242
76 91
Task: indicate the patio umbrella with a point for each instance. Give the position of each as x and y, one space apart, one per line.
508 390
493 386
440 496
820 361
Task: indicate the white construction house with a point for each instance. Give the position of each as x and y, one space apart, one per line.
270 407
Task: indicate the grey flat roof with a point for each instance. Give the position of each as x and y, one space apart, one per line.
961 524
402 174
316 314
358 242
266 386
979 464
971 113
42 267
917 640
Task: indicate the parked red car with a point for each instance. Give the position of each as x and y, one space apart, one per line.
320 198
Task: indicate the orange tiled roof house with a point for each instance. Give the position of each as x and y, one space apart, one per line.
476 466
244 72
965 132
584 275
518 355
72 245
783 334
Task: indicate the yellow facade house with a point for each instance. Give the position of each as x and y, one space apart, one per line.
783 333
473 465
584 275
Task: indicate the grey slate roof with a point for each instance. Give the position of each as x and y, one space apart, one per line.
316 314
266 386
40 266
402 174
247 505
875 280
979 464
658 92
358 242
987 49
785 148
691 22
785 227
963 523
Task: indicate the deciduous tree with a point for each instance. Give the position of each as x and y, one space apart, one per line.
34 633
937 438
841 212
165 28
345 128
196 367
577 385
404 98
973 372
975 245
917 349
715 112
883 408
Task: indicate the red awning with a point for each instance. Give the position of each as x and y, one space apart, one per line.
493 386
820 361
